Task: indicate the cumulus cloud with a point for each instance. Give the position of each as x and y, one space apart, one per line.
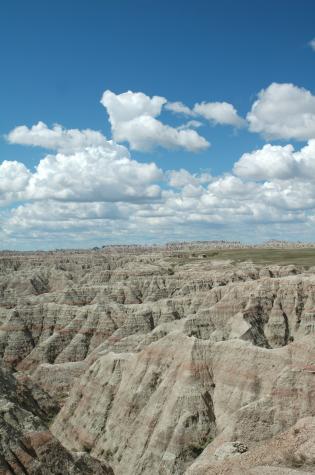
216 112
232 187
219 113
14 176
56 138
179 108
91 190
291 197
182 177
66 213
103 173
283 111
100 193
133 120
278 162
191 124
267 163
130 105
312 44
189 207
94 175
145 132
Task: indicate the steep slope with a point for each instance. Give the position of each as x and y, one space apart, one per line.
289 453
26 444
155 411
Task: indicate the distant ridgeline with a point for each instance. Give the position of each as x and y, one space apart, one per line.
177 246
195 245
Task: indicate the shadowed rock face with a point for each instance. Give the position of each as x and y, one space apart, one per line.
26 444
155 364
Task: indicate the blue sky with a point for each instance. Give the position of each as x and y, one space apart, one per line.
57 59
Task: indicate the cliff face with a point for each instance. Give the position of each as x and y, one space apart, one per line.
154 364
26 443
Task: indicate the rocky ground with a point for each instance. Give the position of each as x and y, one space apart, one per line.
158 362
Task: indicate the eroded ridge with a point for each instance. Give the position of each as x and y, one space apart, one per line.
158 362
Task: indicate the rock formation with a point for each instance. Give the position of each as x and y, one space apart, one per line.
26 444
141 363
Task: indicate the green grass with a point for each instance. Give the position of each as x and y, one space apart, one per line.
303 257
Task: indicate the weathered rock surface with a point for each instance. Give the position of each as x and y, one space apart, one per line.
26 444
159 365
290 453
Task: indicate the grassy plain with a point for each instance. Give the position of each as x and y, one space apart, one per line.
304 257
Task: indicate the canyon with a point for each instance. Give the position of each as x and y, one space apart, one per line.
192 359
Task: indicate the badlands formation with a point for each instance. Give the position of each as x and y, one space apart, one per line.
156 361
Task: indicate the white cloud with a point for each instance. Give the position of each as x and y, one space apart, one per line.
90 192
216 112
133 120
100 193
57 138
191 207
269 162
277 162
179 108
232 187
182 177
191 124
145 133
219 113
94 174
102 173
283 111
130 105
66 214
14 176
312 44
289 196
